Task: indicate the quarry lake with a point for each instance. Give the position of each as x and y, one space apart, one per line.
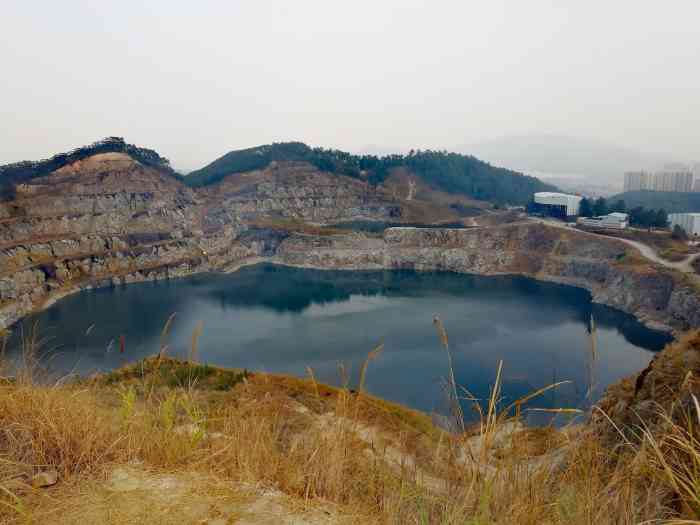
285 320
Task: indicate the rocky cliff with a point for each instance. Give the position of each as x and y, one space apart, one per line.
109 218
613 273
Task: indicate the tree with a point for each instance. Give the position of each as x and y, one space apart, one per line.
648 218
643 217
619 207
585 208
636 216
679 233
661 220
600 207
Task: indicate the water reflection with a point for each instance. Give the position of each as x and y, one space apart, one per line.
283 319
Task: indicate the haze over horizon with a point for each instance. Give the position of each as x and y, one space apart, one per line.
195 80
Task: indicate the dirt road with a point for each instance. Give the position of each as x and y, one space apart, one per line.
685 266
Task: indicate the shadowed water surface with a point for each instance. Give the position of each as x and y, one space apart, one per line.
279 319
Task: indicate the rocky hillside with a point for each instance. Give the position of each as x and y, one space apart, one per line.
449 172
663 392
106 217
121 216
19 172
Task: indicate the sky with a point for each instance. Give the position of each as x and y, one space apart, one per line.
194 80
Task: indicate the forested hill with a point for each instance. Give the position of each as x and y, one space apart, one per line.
450 172
672 202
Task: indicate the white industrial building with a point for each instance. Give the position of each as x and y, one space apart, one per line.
612 221
561 204
690 222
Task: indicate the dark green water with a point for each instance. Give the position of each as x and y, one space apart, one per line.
278 319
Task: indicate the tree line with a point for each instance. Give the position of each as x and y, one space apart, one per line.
638 216
449 172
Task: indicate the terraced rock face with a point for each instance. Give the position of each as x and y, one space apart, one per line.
297 190
106 217
109 219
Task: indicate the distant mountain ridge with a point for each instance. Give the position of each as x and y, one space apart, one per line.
566 156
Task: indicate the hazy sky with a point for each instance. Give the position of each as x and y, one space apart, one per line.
196 79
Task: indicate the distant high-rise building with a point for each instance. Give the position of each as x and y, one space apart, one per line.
696 174
638 181
690 222
679 181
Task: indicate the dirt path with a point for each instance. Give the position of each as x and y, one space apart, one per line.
136 495
684 266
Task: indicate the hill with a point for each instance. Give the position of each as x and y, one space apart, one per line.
450 172
19 172
672 202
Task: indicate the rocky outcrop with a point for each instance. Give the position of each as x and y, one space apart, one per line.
662 393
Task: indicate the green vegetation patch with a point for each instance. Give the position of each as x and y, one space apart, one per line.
176 373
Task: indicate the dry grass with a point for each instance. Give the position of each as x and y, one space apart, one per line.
663 243
367 460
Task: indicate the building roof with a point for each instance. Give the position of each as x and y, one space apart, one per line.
618 215
554 194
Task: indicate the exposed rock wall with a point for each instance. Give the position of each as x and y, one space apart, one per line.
608 269
297 190
108 218
102 220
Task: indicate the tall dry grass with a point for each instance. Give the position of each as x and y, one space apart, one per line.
372 461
